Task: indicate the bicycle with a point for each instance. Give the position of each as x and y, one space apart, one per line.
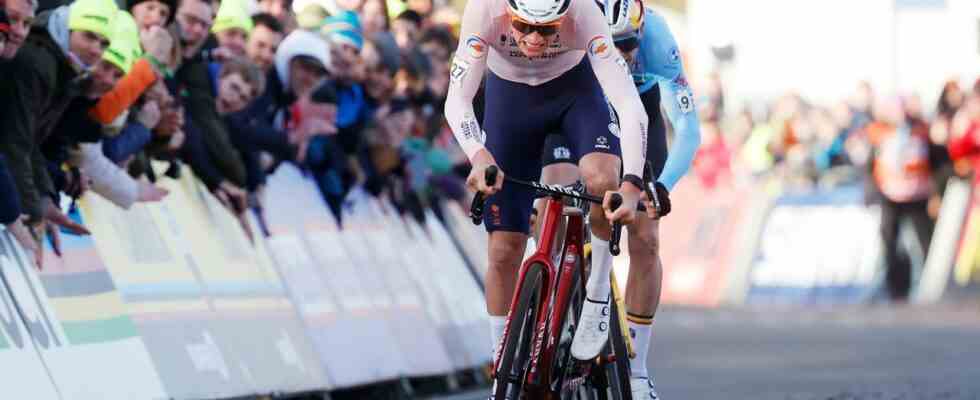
536 362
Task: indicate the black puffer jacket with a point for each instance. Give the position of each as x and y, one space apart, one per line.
38 87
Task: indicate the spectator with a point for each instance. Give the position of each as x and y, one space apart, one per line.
374 17
712 161
44 82
109 180
150 13
950 100
232 26
406 28
901 173
311 13
264 40
276 8
964 144
201 107
20 17
9 201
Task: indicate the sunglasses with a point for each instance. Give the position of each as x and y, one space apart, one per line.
629 44
527 29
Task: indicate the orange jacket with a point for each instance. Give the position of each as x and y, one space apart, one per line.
901 168
126 92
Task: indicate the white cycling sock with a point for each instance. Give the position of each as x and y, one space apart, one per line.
641 333
497 325
597 288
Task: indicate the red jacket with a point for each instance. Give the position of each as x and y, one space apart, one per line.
967 147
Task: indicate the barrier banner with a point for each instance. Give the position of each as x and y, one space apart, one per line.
700 240
325 283
938 274
368 235
209 307
468 303
92 340
967 268
19 343
818 247
472 238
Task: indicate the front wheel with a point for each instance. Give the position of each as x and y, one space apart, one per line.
510 377
618 372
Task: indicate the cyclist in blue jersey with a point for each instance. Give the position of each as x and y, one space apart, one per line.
646 43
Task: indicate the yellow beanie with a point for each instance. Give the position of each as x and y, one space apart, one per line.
125 47
94 16
232 14
310 13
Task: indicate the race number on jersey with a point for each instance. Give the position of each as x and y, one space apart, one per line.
685 99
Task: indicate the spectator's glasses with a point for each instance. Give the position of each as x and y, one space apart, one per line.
527 28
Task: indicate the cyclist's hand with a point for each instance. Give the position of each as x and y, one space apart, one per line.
627 212
663 199
477 179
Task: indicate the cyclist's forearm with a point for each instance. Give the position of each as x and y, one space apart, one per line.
684 118
617 84
465 75
462 118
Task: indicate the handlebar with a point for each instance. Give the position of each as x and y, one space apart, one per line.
477 208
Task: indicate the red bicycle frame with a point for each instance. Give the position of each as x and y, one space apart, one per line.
548 329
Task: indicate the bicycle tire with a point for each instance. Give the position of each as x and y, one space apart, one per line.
564 362
510 377
618 372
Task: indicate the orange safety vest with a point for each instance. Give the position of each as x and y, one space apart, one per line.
901 165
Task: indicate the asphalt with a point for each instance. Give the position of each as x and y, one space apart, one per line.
802 353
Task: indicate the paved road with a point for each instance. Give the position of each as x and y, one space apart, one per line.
874 353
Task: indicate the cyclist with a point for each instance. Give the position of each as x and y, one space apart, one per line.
550 62
643 38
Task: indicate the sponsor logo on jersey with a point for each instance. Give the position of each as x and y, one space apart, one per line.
675 55
476 47
681 81
614 129
562 153
599 47
470 129
602 142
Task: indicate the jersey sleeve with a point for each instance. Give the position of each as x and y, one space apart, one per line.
616 81
466 74
663 59
678 102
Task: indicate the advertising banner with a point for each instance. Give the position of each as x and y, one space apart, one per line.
816 248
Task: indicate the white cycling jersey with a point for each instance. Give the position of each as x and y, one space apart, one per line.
485 41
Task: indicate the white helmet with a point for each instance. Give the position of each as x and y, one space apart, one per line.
622 16
539 11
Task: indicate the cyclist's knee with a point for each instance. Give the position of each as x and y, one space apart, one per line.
597 179
506 250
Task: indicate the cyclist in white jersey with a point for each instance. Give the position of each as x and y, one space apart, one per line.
552 65
644 39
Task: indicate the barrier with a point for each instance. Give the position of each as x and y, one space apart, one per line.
171 300
701 241
818 247
967 268
938 273
210 308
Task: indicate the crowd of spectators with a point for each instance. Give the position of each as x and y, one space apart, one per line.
902 153
105 98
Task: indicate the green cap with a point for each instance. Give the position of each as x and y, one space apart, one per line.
125 47
94 16
232 14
